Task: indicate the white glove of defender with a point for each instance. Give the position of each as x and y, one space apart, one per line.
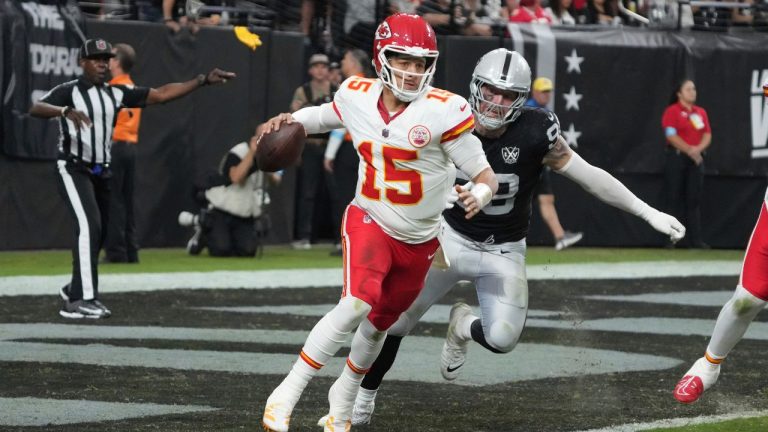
666 224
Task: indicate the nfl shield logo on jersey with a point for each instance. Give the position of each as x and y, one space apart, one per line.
510 154
419 136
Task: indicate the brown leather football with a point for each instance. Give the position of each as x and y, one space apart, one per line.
282 148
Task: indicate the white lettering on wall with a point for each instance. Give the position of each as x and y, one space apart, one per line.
54 60
44 16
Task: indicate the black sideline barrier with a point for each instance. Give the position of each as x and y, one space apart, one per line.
621 81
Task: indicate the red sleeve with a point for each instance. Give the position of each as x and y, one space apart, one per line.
668 119
466 125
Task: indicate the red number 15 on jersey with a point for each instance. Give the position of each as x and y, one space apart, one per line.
391 174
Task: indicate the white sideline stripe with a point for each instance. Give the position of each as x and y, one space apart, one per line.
304 278
84 238
28 411
677 422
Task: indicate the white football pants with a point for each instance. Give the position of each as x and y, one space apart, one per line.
498 271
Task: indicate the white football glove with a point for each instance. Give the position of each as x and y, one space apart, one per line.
666 224
453 196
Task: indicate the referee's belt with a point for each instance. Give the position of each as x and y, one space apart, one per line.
96 169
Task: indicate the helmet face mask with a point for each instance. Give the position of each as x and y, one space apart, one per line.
404 36
395 79
494 107
499 72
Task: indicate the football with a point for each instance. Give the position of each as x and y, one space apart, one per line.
282 148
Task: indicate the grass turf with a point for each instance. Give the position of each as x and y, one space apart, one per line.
755 424
51 262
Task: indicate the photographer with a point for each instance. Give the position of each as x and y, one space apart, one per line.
317 91
235 203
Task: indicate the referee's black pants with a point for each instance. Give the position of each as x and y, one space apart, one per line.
87 196
121 243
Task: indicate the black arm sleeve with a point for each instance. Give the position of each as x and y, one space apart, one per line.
232 160
134 97
61 95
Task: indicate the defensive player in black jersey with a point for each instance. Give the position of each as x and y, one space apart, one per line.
518 142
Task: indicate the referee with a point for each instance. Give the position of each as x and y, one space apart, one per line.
87 108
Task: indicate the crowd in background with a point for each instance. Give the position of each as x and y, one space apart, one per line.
340 34
336 24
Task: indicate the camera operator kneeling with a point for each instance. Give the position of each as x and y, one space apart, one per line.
232 222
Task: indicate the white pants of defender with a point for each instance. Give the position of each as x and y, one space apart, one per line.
498 271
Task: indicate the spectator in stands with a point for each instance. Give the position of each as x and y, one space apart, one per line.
121 244
175 18
460 20
541 95
235 200
317 91
686 127
403 6
528 11
742 16
560 12
603 12
149 10
359 22
334 74
341 159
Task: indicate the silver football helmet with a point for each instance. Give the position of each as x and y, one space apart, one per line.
507 71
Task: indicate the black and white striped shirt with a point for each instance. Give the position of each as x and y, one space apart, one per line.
100 104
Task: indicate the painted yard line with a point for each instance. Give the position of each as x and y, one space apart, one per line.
438 313
303 278
418 361
29 411
682 421
537 319
686 298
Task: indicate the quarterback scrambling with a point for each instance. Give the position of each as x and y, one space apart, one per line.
410 137
490 248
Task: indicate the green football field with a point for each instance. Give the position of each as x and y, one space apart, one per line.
50 262
58 262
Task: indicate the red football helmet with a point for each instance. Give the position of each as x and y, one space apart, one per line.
410 35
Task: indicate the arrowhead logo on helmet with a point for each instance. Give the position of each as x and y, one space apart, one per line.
383 32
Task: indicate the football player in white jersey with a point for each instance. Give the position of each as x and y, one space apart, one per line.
490 249
748 300
410 137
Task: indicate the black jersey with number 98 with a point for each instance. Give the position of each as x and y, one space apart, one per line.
516 158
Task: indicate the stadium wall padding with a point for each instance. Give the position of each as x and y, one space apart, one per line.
624 79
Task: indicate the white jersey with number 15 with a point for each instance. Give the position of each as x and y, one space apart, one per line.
406 158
